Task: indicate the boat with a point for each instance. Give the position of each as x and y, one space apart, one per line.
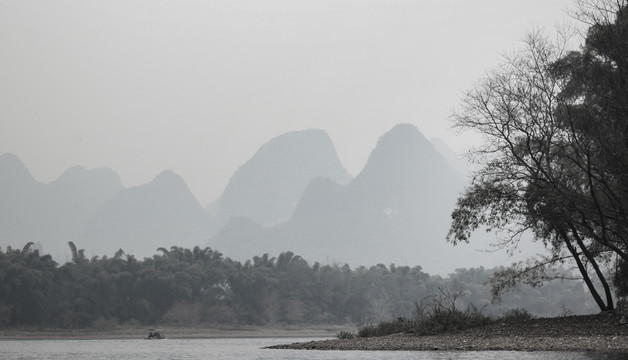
155 334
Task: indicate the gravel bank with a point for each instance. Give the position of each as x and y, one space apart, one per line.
603 333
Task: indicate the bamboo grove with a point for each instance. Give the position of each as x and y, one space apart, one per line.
200 287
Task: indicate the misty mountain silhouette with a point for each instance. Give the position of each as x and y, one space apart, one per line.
292 195
268 187
397 210
14 174
138 220
54 213
20 205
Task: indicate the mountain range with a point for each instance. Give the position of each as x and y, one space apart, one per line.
292 195
268 187
396 210
141 219
50 214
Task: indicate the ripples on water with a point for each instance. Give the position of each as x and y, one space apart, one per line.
245 348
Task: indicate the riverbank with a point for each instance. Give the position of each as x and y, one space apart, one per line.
599 333
170 332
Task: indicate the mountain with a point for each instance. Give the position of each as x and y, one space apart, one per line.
68 203
268 187
50 214
397 210
292 195
138 220
20 205
91 208
457 161
14 174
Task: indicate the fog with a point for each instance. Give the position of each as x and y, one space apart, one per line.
198 86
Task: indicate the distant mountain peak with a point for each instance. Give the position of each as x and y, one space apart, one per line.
396 210
295 139
13 170
404 154
162 212
402 140
294 148
77 169
167 177
79 173
268 186
7 158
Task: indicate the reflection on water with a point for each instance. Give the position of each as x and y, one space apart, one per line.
242 348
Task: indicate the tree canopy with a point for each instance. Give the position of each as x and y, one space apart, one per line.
200 287
555 155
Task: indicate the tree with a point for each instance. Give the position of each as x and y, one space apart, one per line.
555 125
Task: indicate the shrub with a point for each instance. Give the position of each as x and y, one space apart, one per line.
345 335
438 320
428 323
401 325
436 314
515 315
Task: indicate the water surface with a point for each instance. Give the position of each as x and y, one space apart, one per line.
242 348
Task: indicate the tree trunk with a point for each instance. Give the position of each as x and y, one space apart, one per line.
585 275
598 272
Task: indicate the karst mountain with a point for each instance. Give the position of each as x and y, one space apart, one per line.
293 194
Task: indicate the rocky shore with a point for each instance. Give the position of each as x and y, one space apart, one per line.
600 333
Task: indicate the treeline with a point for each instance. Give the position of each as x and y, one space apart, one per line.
200 287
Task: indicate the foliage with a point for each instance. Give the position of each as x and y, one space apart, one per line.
621 279
383 328
555 156
437 314
515 316
345 335
448 320
200 287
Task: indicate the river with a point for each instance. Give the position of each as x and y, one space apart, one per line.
241 348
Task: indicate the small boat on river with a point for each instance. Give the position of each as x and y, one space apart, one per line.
155 334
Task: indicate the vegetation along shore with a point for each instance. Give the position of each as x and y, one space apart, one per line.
553 170
599 333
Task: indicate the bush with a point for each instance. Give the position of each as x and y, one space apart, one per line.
438 314
401 325
440 320
345 335
515 315
430 323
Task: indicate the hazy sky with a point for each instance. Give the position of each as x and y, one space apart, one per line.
198 86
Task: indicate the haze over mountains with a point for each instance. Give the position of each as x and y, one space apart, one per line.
396 210
292 195
141 219
54 213
268 187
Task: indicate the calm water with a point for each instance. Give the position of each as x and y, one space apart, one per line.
237 349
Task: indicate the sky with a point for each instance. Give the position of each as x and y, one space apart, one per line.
198 86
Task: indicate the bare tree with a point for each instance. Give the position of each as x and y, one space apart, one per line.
555 125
